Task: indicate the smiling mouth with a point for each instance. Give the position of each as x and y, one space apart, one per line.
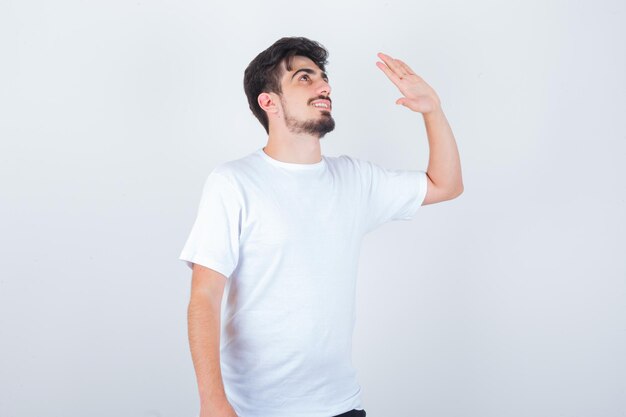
322 104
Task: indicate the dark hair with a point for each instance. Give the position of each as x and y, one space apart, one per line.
264 72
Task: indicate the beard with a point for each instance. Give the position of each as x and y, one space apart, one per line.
317 127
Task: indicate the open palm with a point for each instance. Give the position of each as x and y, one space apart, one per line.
418 96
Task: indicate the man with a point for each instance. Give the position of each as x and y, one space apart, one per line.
278 234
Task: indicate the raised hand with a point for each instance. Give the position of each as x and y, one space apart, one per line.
418 96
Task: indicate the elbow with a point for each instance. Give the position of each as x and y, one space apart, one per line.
457 191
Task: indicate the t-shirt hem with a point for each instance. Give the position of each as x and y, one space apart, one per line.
354 402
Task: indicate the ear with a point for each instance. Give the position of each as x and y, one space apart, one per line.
268 102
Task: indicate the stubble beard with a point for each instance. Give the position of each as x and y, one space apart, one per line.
316 127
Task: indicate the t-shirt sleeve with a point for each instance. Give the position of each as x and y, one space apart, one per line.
390 194
214 238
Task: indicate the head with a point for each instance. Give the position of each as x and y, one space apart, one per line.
269 77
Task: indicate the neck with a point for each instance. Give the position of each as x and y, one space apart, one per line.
286 146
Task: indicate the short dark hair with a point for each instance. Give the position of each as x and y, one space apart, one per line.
264 72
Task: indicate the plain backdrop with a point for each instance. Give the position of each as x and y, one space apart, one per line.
507 301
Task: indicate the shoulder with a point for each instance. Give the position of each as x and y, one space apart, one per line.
361 167
347 162
237 169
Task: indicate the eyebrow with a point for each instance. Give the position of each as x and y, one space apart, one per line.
309 71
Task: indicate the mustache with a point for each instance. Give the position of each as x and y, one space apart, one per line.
320 98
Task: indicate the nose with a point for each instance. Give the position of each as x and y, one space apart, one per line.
323 88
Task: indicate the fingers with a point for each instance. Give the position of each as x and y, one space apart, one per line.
389 73
399 68
405 67
393 68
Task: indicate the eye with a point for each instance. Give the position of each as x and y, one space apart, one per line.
305 75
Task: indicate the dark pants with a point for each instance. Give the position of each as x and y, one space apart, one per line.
353 413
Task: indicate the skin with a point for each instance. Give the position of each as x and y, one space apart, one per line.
289 143
285 142
204 317
445 181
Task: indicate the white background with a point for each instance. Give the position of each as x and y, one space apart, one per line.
508 301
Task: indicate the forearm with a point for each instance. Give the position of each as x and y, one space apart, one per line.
204 340
444 164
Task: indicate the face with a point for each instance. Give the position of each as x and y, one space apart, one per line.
305 98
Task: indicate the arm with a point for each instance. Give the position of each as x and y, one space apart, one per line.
444 166
203 316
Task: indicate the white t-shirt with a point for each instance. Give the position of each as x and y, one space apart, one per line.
287 236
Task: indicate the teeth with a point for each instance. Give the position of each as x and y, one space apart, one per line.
321 105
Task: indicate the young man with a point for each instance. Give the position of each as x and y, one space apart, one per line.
277 237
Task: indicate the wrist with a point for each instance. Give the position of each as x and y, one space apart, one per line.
214 401
215 406
436 112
